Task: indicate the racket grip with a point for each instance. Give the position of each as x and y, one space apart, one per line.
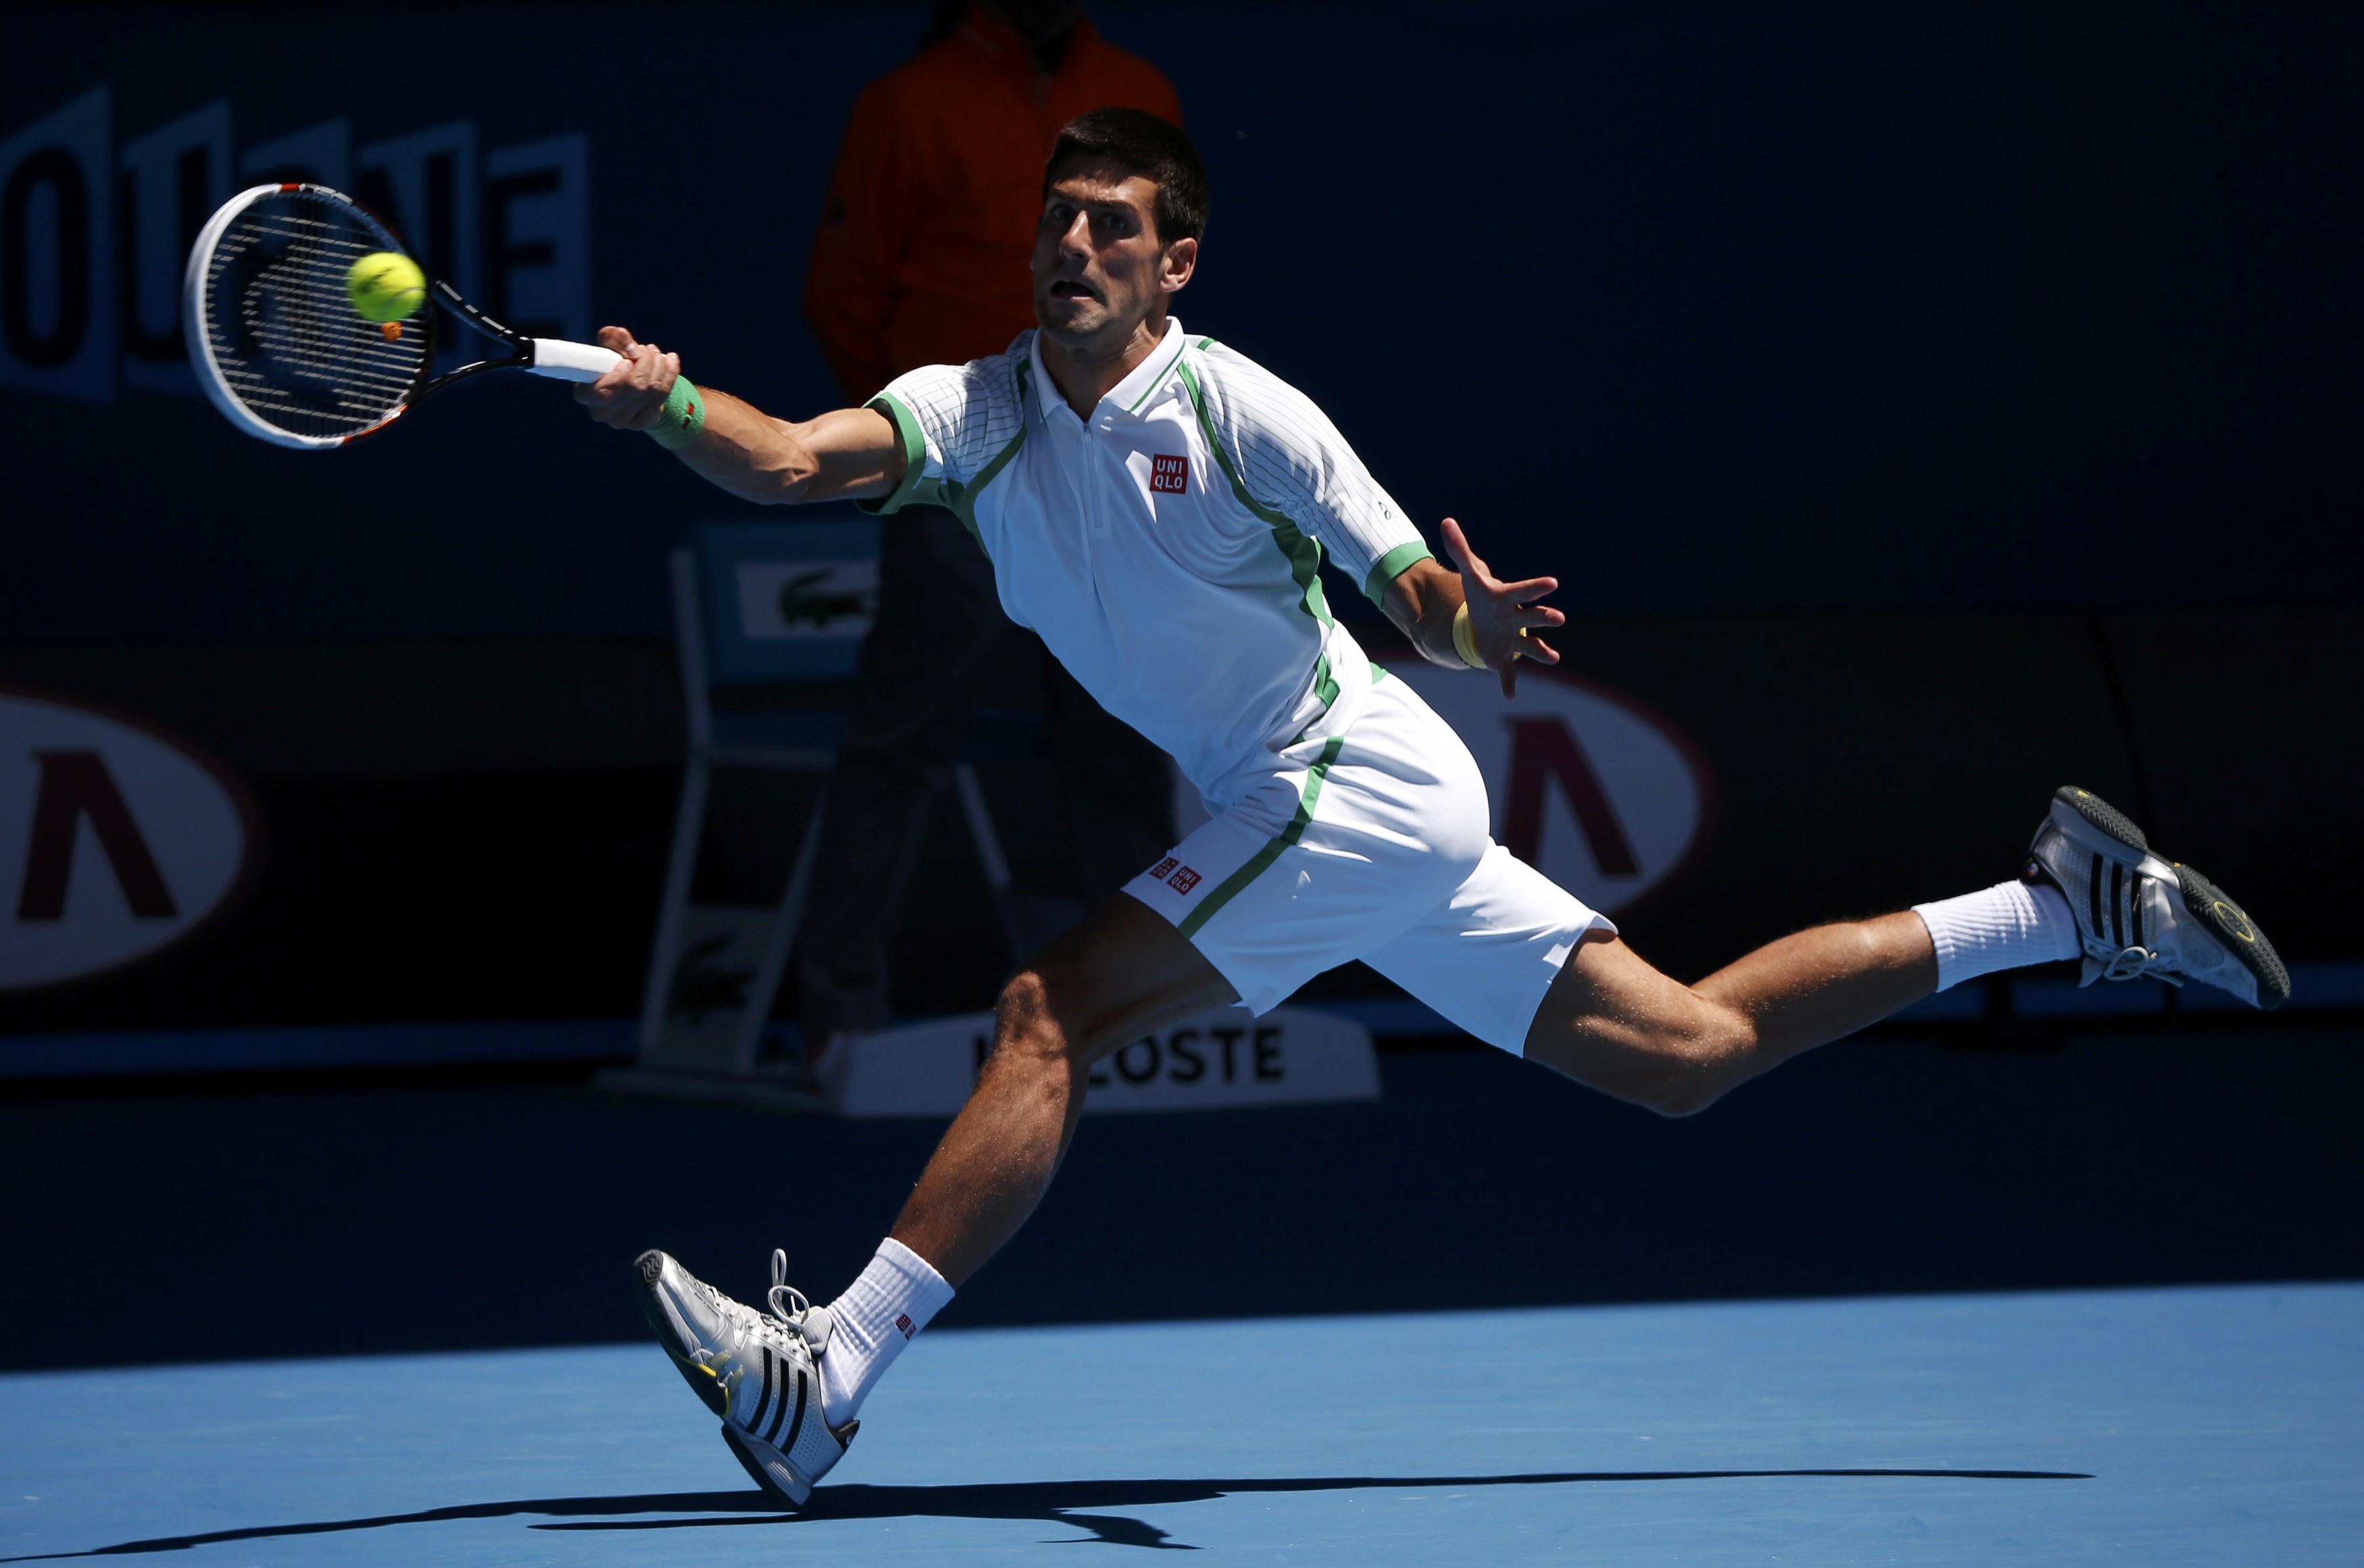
562 360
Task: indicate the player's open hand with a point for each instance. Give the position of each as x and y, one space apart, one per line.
632 395
1502 616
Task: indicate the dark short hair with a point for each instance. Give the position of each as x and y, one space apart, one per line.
1139 143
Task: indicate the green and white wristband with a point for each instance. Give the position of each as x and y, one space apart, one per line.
684 416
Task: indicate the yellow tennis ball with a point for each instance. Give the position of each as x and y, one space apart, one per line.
386 286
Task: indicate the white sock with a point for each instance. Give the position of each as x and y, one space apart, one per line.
890 1301
2008 925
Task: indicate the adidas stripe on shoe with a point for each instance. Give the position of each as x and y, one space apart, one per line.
758 1370
2140 916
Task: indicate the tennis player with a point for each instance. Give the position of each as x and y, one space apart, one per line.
1155 507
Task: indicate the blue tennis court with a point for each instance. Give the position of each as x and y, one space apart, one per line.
437 867
2162 1426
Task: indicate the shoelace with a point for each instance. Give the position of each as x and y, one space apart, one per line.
2134 963
781 1289
742 1327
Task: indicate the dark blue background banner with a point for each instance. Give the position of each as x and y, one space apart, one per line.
1706 308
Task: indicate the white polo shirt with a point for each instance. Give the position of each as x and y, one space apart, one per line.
1167 549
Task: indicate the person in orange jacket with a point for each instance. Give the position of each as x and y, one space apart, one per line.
923 249
923 258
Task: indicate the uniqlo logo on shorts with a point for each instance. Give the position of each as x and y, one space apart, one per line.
903 1322
1170 474
1157 873
1183 881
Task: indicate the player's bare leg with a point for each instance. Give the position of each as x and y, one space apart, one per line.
1609 1020
789 1382
2091 887
1613 1022
1123 973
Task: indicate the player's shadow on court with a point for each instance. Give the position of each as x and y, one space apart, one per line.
1050 1502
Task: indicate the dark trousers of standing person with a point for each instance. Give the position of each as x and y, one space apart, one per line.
937 631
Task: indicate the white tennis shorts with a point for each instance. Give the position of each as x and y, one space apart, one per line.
1373 845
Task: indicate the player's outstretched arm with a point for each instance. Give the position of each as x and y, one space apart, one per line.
851 454
1425 600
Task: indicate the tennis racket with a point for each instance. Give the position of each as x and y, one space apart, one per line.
281 350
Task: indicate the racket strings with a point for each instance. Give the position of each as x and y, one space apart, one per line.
285 335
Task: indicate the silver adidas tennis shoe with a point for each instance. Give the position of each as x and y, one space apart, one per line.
2139 915
758 1370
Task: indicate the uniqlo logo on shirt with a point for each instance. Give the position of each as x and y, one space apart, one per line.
903 1322
1170 474
1183 881
1157 873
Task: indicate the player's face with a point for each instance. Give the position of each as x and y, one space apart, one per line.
1098 268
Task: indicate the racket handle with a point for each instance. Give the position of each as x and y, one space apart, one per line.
562 360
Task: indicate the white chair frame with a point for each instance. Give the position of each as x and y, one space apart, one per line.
705 755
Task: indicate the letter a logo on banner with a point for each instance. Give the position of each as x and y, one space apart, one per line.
1544 750
117 840
76 787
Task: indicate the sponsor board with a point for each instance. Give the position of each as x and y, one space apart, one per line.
117 840
1598 795
786 602
1217 1061
805 598
95 232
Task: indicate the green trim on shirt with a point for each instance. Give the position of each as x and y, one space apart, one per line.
1304 554
1392 565
1325 684
962 498
915 457
957 498
1263 859
1155 382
